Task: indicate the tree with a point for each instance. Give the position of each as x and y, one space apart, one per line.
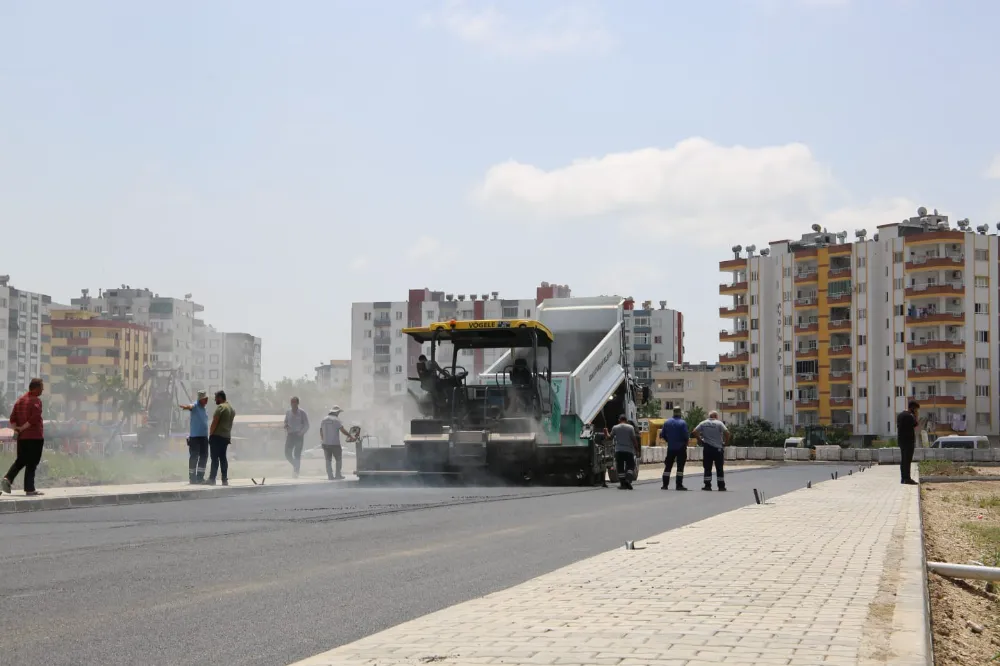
74 388
108 387
130 404
838 437
757 432
650 410
695 416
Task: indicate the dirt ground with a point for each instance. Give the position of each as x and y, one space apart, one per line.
962 525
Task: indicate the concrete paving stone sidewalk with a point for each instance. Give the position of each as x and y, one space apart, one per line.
828 575
140 493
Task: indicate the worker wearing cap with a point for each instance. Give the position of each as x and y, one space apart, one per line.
626 447
713 435
197 439
675 433
330 429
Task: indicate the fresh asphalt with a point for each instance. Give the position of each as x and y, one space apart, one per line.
273 579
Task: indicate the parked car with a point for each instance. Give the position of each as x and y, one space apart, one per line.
961 442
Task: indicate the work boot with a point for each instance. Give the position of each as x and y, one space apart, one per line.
707 486
722 486
666 483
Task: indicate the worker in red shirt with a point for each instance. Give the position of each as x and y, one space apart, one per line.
26 421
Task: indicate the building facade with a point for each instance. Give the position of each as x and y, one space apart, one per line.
209 372
242 361
173 322
84 344
830 332
654 338
688 385
22 354
334 376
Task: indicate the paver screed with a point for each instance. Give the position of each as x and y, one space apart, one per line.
811 577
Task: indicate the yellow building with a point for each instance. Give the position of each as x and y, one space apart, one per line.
84 343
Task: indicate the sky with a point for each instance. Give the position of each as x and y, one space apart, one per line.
280 161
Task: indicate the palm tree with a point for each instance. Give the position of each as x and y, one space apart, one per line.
130 404
75 388
108 387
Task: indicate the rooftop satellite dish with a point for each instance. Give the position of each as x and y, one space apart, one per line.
765 252
737 249
921 212
817 228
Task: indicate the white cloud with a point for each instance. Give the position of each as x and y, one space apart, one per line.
566 29
993 172
430 254
696 191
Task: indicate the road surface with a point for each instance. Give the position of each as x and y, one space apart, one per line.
268 580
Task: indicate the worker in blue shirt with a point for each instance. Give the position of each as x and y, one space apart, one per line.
675 433
198 439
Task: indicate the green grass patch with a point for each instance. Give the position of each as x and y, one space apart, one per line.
944 468
60 469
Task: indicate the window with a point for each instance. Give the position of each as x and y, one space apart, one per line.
788 346
887 323
397 387
982 336
898 283
982 363
861 262
754 324
788 320
786 296
753 300
861 287
982 418
887 376
982 308
786 271
897 257
982 281
862 340
983 391
368 334
755 372
789 395
900 338
368 316
788 371
399 316
900 364
658 340
888 351
899 391
399 369
862 313
982 255
509 313
753 276
862 366
862 392
862 419
527 314
753 348
899 310
399 332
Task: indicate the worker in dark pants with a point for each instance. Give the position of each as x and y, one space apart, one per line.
296 427
713 436
219 436
197 439
330 430
675 434
29 428
627 447
906 430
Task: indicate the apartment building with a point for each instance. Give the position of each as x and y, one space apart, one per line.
172 321
654 338
242 360
334 376
96 346
225 361
826 331
22 357
209 372
688 385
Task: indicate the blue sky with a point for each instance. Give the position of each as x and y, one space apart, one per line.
280 161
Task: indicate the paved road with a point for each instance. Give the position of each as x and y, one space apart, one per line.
269 580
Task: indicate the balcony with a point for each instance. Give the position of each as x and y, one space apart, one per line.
841 403
733 287
805 302
734 359
806 352
925 373
809 404
840 273
382 322
727 336
949 260
807 327
946 317
805 277
735 382
943 289
928 346
841 376
806 378
732 265
382 358
839 351
839 325
734 311
840 297
931 401
737 406
950 236
642 346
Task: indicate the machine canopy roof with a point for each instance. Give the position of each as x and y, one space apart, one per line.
484 333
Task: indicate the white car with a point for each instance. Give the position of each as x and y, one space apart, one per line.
961 442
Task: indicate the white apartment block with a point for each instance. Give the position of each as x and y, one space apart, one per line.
654 338
831 332
334 376
172 320
22 314
209 372
688 385
225 361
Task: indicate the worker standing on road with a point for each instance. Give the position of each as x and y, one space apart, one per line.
219 436
296 427
906 428
675 434
330 429
26 422
198 439
713 435
627 446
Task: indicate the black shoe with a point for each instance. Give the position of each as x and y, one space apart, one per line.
681 488
339 478
209 482
707 486
909 482
665 486
225 482
722 488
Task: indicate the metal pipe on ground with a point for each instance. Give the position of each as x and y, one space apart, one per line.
965 571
